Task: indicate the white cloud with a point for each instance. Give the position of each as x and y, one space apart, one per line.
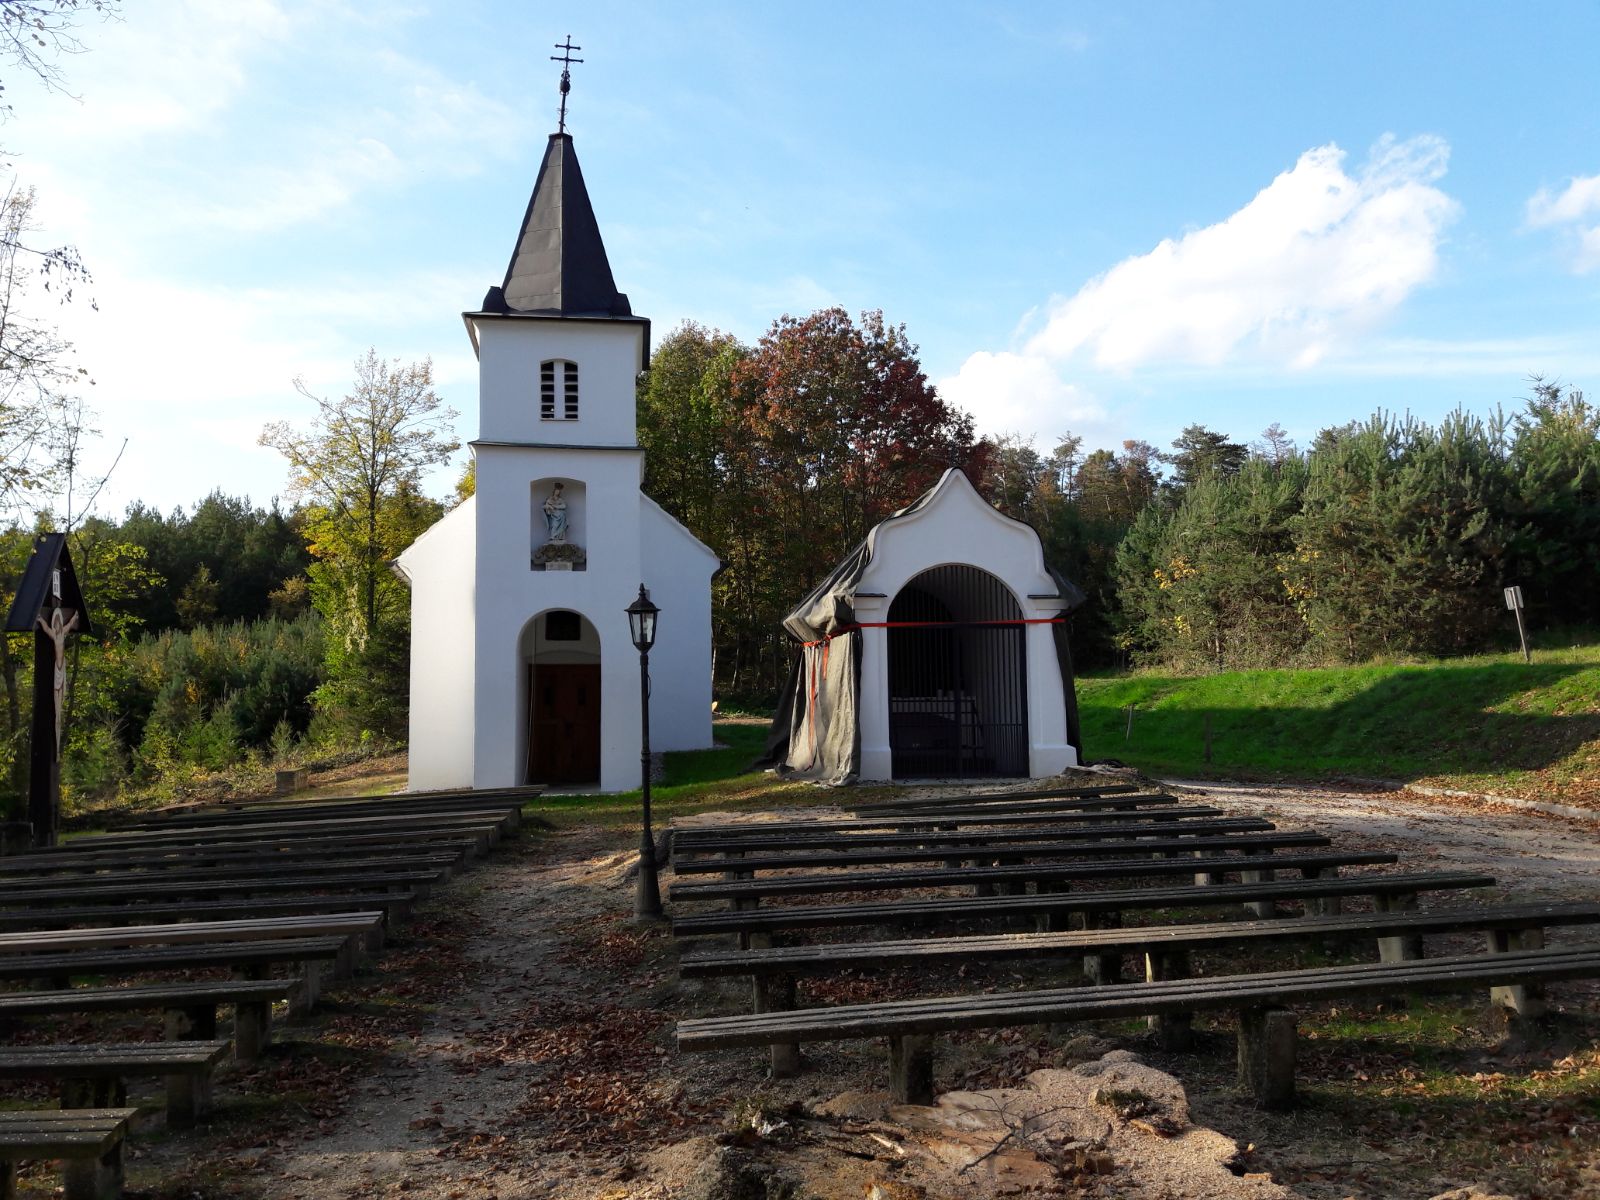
1318 256
1576 210
1008 391
172 65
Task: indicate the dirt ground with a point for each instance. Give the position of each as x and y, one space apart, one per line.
519 1045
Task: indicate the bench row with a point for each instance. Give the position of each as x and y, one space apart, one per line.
1266 1024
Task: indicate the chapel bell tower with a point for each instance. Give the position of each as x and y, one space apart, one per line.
519 594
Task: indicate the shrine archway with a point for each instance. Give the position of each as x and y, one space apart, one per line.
958 677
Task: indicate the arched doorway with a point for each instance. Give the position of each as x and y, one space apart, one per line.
561 699
958 681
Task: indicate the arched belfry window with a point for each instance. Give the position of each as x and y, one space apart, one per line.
558 374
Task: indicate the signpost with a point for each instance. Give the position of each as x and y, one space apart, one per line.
1514 603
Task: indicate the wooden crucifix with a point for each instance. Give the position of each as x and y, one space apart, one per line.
49 604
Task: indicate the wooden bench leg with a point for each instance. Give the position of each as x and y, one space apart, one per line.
1322 906
1103 968
1266 1055
1407 947
1174 1031
93 1093
8 1180
304 998
344 965
188 1097
94 1178
1265 909
776 993
1202 878
1522 1000
191 1023
252 1029
911 1068
1053 922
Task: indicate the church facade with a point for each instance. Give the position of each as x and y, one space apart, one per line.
522 669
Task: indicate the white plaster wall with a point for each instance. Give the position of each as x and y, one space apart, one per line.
958 527
509 594
510 350
440 567
678 570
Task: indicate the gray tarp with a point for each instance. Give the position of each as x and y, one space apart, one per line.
816 732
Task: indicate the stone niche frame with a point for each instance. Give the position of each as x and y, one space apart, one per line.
571 555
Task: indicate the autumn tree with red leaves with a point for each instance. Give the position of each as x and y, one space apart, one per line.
826 426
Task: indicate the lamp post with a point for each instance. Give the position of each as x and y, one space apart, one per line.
642 625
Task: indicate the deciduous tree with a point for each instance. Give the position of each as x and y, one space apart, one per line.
358 469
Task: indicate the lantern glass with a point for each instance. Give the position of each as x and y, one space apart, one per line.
642 620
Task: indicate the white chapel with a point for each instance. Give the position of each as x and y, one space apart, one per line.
522 668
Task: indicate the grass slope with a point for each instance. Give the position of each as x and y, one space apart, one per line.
1487 724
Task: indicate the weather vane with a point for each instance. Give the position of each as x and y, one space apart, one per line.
566 59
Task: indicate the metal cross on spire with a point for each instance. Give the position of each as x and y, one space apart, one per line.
566 59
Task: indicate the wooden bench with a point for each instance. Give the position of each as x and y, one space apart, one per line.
391 802
1106 789
442 865
1134 801
88 1141
321 810
18 896
1391 890
244 854
1266 1025
88 851
396 907
96 1076
189 1010
1085 827
989 851
1127 808
365 928
499 821
1164 948
1047 877
248 958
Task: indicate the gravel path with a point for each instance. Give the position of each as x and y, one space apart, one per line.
478 1106
1535 856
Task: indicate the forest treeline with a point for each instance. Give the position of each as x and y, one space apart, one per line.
232 635
1386 536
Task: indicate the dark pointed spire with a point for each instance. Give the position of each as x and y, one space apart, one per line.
559 267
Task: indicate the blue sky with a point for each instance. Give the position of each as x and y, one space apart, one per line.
1114 220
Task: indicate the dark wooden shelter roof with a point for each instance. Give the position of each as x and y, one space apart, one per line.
34 594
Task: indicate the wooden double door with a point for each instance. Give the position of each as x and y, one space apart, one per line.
564 723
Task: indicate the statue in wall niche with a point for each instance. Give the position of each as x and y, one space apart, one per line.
555 515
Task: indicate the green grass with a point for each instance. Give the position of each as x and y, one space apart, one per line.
1489 723
696 781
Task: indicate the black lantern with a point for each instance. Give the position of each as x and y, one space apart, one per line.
642 625
642 621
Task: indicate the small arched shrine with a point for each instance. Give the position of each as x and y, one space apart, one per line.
936 650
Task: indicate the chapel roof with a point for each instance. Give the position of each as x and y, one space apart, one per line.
559 267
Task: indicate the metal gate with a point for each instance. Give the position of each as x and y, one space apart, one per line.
958 683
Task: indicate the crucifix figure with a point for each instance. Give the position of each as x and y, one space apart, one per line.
566 59
56 629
